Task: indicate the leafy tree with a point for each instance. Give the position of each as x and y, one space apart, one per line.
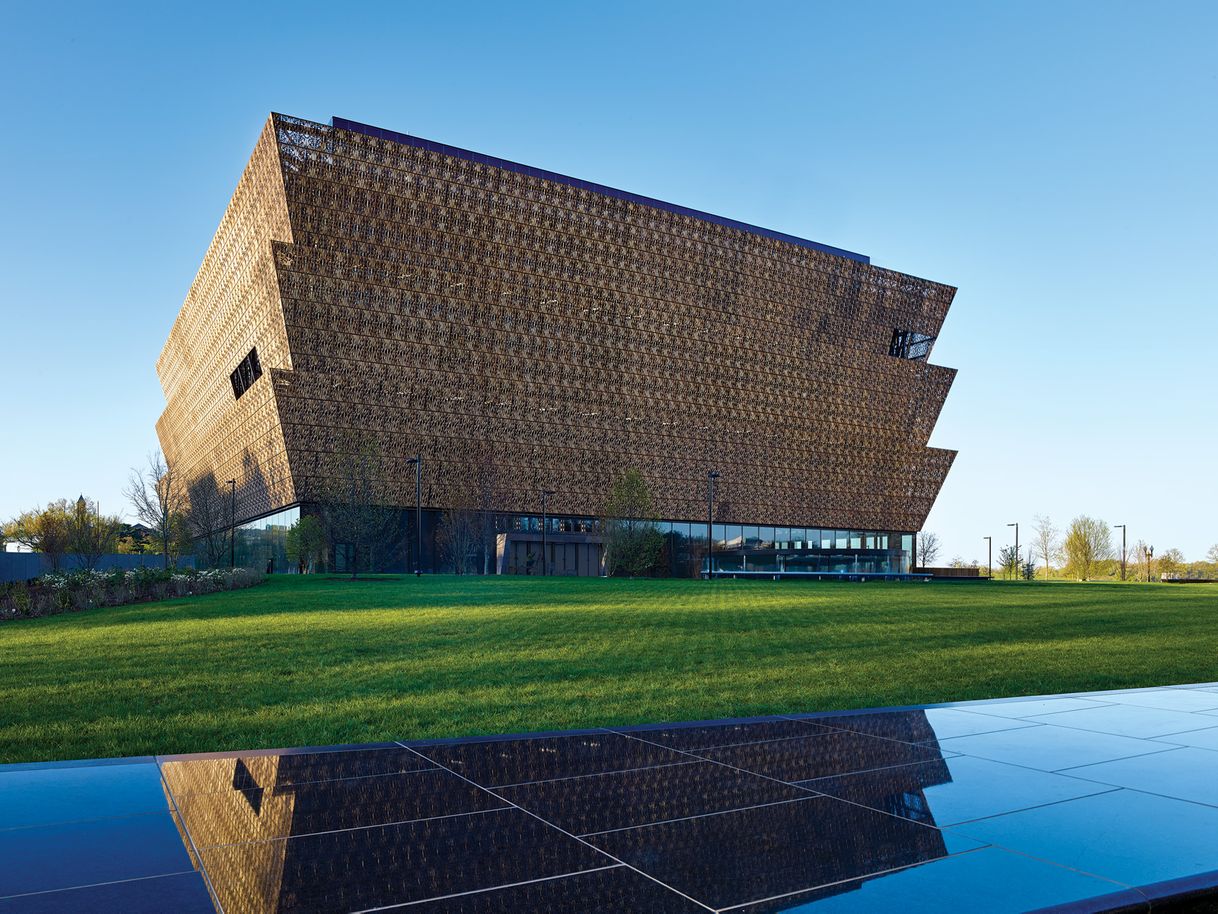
1212 555
632 540
158 498
1028 569
47 530
129 545
1045 541
1171 562
306 542
1088 543
928 548
1008 561
90 534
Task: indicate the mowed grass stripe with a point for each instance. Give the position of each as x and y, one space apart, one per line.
318 660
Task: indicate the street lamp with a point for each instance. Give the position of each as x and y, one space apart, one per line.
711 476
232 525
1149 552
1122 526
417 460
989 557
1018 558
545 559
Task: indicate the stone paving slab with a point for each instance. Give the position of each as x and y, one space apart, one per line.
1100 801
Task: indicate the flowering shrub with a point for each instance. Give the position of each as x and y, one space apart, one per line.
60 591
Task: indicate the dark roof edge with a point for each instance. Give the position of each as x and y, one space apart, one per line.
342 123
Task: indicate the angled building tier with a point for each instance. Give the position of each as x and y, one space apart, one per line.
370 286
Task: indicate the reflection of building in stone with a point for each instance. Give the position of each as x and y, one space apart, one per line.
903 786
371 827
223 802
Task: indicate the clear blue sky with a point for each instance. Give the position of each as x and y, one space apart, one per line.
1056 161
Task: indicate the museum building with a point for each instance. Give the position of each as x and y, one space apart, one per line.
528 337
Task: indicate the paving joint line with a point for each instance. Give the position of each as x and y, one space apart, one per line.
567 833
198 856
595 774
93 885
494 888
815 793
340 831
829 885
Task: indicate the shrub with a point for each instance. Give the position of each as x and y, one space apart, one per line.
15 600
60 591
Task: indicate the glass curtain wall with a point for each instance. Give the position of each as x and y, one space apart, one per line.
749 547
262 543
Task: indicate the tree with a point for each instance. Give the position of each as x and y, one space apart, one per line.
483 476
306 541
158 498
1212 555
1044 541
632 539
1008 561
1171 562
928 548
47 530
1028 569
207 517
90 535
1088 543
351 502
459 537
1143 557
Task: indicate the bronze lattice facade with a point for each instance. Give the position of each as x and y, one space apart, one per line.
465 308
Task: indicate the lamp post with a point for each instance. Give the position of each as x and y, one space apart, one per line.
711 476
1018 557
417 460
232 525
989 557
1122 526
1149 552
545 558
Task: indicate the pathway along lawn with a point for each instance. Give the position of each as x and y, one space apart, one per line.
316 661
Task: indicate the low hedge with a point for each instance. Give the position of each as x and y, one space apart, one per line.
58 592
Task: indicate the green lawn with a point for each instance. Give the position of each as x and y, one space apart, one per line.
310 661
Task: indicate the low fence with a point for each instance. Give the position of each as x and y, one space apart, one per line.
968 572
25 566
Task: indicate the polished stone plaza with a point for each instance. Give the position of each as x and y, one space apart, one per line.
1083 802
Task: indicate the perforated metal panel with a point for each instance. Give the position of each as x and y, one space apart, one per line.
452 307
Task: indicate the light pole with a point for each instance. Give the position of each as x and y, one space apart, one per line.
1018 557
545 559
417 460
232 525
711 476
1149 552
1122 526
989 557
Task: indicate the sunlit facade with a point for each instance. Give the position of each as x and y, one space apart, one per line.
548 334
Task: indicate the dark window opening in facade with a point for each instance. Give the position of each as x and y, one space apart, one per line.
909 344
245 374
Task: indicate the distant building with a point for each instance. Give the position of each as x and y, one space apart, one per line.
366 284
